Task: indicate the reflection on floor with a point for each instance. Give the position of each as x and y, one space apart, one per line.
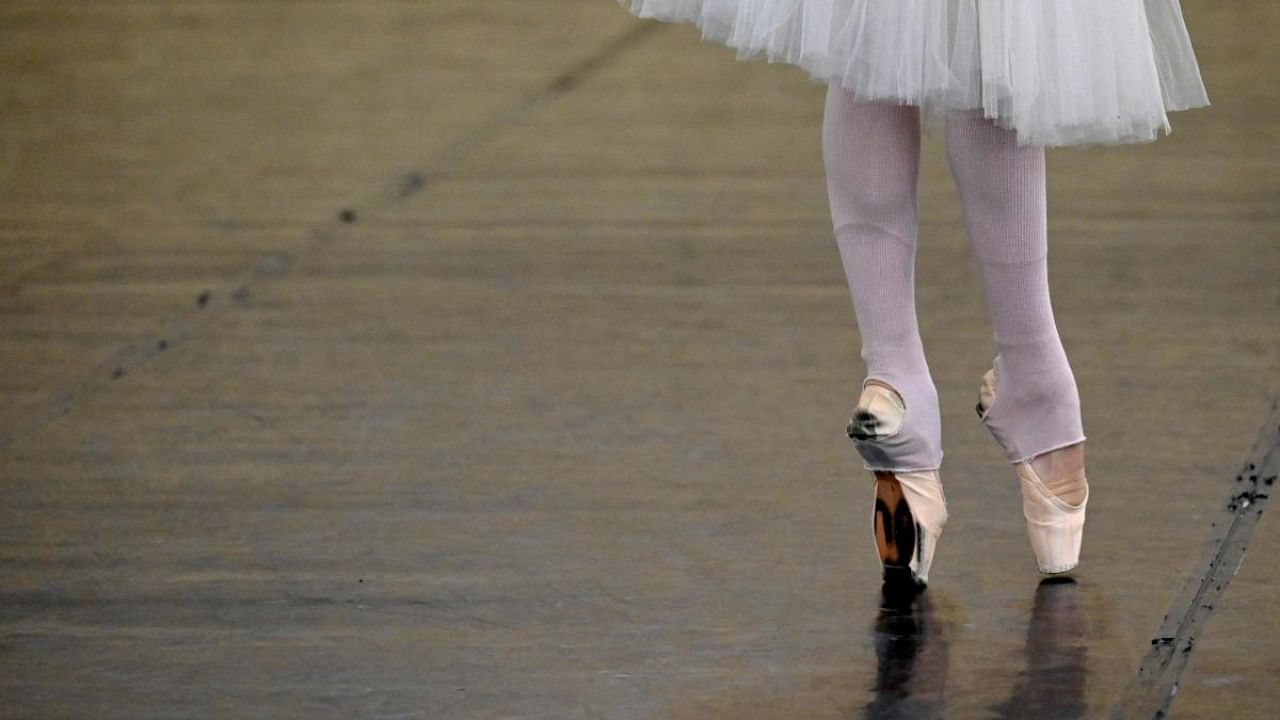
912 657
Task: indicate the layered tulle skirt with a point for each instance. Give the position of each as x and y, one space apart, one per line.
1059 72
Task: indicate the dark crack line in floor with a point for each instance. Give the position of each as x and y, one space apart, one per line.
180 325
1152 690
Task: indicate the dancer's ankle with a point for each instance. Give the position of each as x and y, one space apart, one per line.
883 384
1062 471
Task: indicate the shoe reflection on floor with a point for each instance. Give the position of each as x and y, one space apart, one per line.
1057 653
912 657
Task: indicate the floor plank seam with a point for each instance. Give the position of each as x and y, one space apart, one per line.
1151 692
181 324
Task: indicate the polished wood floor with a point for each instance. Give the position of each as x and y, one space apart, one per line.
491 359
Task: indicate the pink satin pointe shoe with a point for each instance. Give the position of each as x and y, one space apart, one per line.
910 507
1054 526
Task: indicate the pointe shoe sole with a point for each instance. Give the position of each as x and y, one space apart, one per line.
910 511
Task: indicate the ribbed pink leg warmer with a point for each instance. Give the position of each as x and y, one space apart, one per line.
1003 188
871 151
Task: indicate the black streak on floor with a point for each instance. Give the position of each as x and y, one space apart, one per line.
1151 692
281 262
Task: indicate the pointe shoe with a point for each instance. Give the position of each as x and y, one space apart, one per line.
1055 527
910 507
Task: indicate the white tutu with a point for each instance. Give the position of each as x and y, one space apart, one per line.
1059 72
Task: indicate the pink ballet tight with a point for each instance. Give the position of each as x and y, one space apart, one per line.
872 156
872 153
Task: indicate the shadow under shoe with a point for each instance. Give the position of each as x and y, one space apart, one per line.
1054 526
910 507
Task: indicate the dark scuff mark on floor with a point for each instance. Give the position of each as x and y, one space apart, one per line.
1151 692
407 184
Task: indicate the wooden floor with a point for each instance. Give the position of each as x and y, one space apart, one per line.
491 359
